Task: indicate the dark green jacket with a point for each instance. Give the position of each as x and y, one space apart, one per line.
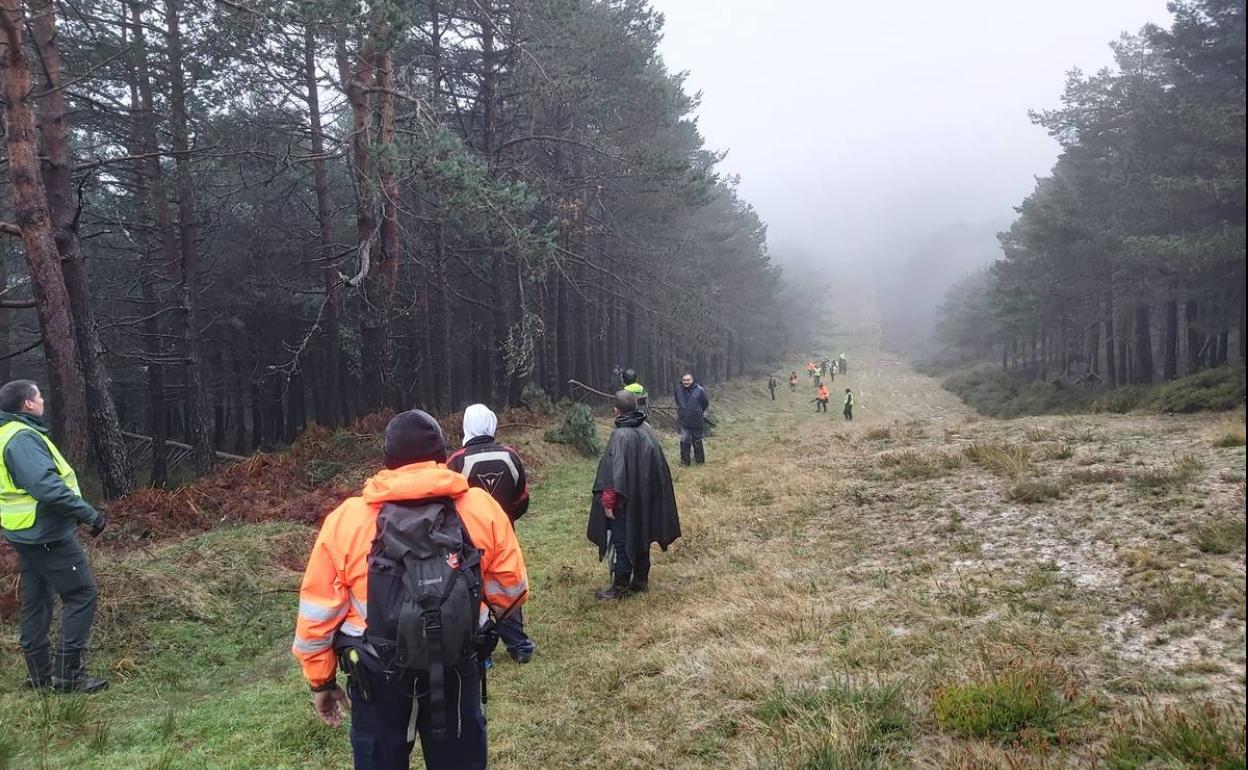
31 467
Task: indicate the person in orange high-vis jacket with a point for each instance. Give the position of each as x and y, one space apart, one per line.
333 602
821 399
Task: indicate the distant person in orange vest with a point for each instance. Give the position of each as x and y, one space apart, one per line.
821 400
793 382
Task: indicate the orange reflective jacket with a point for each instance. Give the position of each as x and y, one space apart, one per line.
334 594
824 394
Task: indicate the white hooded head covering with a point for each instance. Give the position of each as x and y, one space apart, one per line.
479 421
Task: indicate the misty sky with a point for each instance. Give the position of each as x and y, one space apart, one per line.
858 128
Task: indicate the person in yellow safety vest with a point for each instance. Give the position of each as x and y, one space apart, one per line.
849 404
629 378
41 506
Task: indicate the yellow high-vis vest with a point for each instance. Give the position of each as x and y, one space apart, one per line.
17 508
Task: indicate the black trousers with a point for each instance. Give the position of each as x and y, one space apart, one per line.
379 724
638 563
56 569
691 439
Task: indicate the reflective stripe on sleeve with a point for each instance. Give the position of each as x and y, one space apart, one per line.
309 646
351 629
493 587
318 613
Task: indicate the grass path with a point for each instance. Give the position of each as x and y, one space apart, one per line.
919 588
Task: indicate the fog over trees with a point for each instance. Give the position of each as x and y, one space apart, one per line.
1126 264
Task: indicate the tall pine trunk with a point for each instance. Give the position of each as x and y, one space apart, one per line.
380 289
1170 343
1143 344
357 81
152 193
111 455
43 259
199 431
330 336
1195 338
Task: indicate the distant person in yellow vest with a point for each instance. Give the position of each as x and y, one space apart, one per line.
848 411
629 378
41 508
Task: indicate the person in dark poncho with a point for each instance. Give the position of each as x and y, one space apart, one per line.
634 504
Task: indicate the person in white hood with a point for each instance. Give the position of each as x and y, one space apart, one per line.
497 469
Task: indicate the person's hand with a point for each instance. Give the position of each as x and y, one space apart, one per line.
98 526
331 706
487 640
610 513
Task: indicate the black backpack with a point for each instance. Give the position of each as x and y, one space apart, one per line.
424 595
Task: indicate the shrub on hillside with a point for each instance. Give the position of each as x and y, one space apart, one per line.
578 429
536 400
1118 400
996 394
1210 390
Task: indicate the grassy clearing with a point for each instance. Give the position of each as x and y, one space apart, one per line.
840 725
1179 475
1010 460
1021 703
1220 537
1035 491
1181 598
1097 476
1228 433
910 464
820 611
1209 736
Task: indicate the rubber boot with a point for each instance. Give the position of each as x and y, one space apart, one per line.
39 669
618 588
641 580
69 675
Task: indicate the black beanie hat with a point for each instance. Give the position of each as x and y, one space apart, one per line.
414 437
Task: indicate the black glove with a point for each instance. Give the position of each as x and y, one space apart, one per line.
487 640
98 526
